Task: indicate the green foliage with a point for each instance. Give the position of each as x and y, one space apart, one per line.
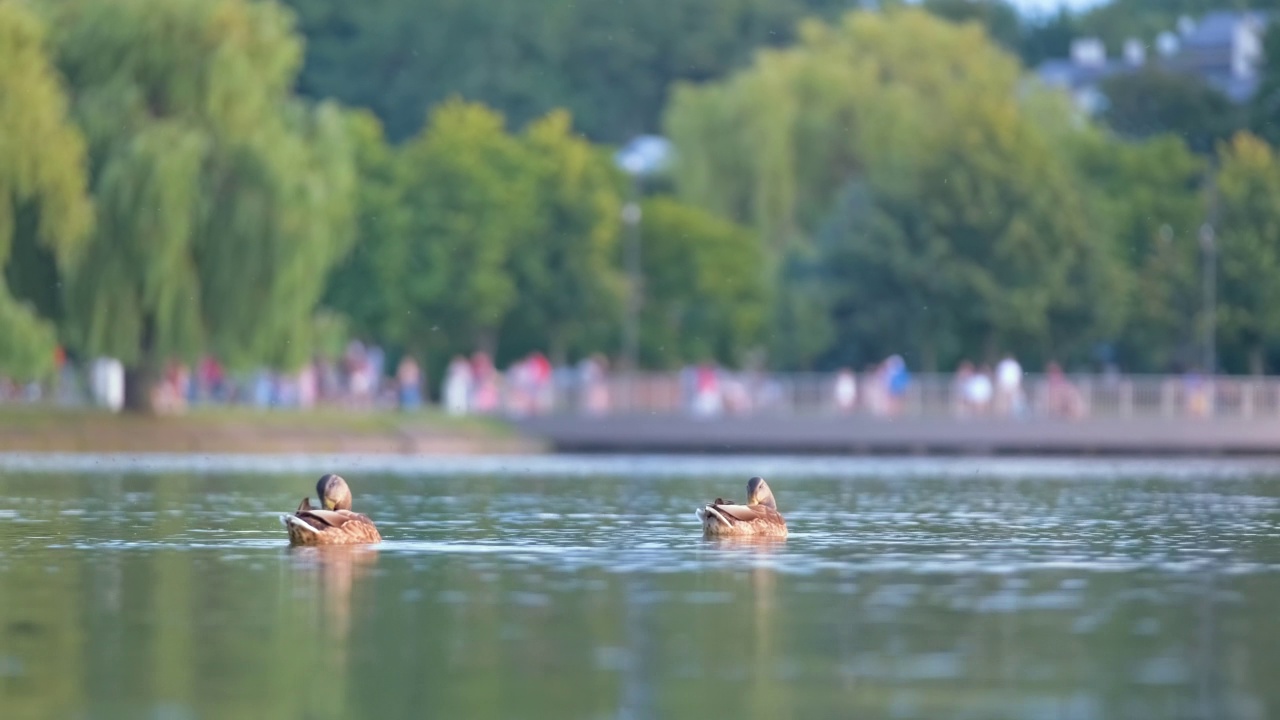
609 63
356 287
706 291
1265 109
1249 250
958 237
221 201
1153 101
1146 197
565 269
44 208
997 17
469 199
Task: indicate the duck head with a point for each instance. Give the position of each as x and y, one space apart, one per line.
758 493
333 492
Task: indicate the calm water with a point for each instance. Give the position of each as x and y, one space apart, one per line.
1007 590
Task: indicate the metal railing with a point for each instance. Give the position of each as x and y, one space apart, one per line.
733 394
924 395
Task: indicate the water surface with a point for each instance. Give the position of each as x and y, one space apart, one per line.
989 590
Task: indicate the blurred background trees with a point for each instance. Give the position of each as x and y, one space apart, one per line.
178 178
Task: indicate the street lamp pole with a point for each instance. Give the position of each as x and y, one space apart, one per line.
640 158
1210 282
631 324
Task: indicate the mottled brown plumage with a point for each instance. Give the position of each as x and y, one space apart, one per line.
335 524
758 517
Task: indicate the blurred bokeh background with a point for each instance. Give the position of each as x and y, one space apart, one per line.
291 203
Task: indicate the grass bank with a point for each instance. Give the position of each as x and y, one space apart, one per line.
247 430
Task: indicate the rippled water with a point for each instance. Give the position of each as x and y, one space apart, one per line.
975 589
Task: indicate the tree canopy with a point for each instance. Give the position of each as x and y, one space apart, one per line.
961 236
45 211
221 201
1249 245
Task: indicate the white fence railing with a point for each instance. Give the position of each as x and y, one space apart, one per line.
923 395
728 394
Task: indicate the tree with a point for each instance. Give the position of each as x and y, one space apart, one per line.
999 18
610 64
1049 37
356 289
1146 196
1265 109
939 238
469 195
1154 101
221 201
1248 184
45 212
566 269
706 295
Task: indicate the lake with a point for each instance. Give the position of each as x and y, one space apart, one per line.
581 588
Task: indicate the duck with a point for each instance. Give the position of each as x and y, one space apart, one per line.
335 523
759 517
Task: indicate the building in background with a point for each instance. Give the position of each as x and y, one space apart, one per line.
1224 48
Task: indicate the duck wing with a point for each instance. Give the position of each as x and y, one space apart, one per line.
328 518
742 513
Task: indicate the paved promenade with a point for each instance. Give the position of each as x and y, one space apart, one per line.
816 434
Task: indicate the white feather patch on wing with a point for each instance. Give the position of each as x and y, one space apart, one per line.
723 520
296 522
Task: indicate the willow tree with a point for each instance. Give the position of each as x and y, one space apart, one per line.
221 201
905 151
43 203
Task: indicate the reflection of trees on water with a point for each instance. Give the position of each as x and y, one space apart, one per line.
638 677
114 603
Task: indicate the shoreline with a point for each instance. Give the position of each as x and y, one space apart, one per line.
26 429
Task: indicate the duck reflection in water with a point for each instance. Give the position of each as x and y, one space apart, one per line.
325 580
331 573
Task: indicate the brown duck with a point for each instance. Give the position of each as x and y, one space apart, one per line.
335 524
759 517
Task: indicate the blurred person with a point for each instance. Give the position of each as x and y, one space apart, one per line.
308 385
978 391
1008 390
541 385
595 390
706 398
1061 396
486 387
846 391
897 379
960 388
1195 387
377 368
409 383
458 381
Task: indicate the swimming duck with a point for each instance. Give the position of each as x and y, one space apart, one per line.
335 524
758 517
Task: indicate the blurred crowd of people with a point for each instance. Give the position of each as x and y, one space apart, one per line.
360 378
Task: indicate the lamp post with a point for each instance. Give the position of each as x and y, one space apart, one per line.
1210 282
631 261
644 156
